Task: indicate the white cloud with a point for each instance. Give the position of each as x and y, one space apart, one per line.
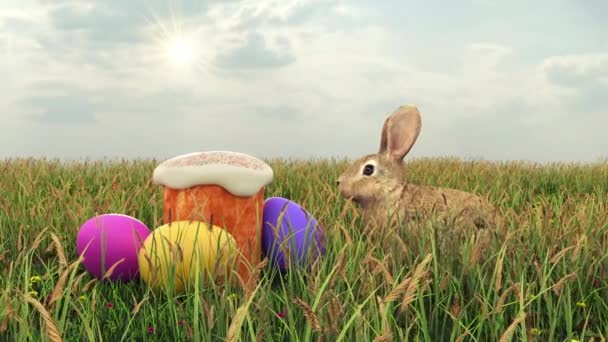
576 70
581 80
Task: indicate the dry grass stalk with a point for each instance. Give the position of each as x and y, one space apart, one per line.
499 265
386 334
558 286
519 294
485 312
419 274
311 318
369 254
445 281
254 278
381 304
461 337
51 328
59 287
77 281
560 254
341 265
384 338
153 271
38 239
210 313
402 244
481 244
234 331
231 307
314 282
109 272
9 314
347 237
63 261
334 310
498 308
189 332
49 250
506 336
88 285
349 206
259 335
61 283
381 267
20 237
94 301
537 267
203 304
340 268
398 291
177 255
580 242
137 305
388 277
455 309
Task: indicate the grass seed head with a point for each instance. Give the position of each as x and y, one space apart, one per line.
311 317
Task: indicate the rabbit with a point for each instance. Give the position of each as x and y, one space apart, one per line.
377 183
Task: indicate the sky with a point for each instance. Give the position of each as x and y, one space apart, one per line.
494 80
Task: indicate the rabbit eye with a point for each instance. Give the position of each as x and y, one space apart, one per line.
368 170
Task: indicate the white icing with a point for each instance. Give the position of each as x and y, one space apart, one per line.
237 179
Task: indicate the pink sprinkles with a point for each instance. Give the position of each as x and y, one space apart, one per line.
225 158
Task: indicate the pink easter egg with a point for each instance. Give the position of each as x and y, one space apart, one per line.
111 238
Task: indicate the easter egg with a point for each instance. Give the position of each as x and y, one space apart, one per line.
175 253
111 239
290 235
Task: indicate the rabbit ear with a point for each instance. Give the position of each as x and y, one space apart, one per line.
400 132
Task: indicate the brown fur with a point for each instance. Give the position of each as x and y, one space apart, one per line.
387 192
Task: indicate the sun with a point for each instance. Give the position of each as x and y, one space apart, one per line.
180 51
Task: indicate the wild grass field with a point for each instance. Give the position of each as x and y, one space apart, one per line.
546 281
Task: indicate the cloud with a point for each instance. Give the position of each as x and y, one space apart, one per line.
584 78
254 54
115 21
576 70
98 22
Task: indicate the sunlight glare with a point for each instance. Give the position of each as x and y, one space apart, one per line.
180 51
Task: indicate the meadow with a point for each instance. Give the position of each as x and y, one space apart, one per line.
547 280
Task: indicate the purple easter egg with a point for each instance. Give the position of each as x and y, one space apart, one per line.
112 237
290 239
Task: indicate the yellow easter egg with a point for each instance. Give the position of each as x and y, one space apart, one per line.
174 254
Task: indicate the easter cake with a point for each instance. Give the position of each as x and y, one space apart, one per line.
220 187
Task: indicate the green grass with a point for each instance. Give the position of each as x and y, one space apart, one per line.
548 281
